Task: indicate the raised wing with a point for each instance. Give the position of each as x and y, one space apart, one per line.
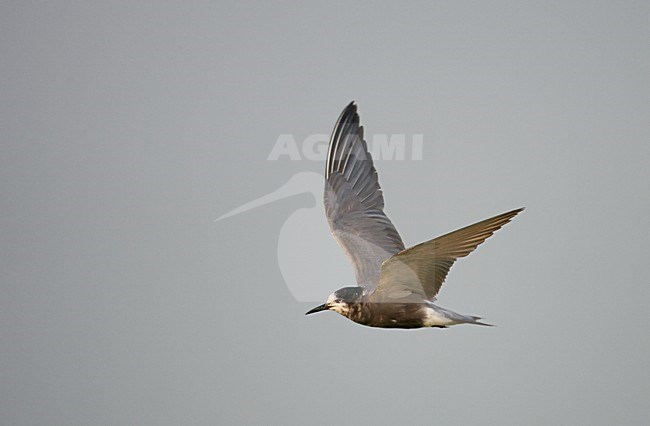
421 269
354 202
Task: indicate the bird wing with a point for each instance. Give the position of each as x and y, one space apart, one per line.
421 269
354 202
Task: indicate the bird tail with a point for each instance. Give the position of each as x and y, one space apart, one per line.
456 318
475 320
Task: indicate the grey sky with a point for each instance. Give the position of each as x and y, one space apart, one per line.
127 128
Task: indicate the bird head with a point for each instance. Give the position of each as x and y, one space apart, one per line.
340 300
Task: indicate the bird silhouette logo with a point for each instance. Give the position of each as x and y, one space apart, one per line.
303 240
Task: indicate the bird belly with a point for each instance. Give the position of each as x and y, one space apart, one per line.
387 315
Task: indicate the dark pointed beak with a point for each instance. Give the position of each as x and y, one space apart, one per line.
319 308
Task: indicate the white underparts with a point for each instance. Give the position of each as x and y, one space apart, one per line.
438 316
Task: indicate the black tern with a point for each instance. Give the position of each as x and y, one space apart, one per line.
396 287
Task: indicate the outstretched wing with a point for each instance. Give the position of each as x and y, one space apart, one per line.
421 269
354 203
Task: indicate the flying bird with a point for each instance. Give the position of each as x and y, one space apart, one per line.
396 286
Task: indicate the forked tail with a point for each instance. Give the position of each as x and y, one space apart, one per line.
475 320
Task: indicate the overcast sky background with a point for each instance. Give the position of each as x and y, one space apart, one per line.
128 127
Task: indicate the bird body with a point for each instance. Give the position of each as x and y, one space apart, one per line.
351 303
396 286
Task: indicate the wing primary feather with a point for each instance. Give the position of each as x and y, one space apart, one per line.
341 122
